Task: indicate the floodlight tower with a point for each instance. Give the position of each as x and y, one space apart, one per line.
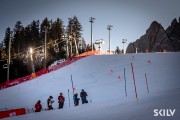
91 21
124 41
45 41
9 56
109 28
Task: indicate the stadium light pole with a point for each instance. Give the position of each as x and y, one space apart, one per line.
109 28
91 21
75 38
72 24
124 41
9 57
45 40
64 37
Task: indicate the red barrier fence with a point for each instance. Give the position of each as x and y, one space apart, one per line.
44 71
2 86
11 113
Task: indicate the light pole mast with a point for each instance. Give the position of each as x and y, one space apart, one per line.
66 38
124 41
74 37
109 28
91 21
71 37
9 57
67 49
45 54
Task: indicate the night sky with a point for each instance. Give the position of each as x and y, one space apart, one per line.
130 18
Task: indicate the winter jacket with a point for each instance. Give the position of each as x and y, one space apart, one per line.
38 107
49 103
83 95
76 100
61 99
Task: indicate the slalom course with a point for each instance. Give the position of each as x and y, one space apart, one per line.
154 85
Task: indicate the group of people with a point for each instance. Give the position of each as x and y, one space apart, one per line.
83 96
61 100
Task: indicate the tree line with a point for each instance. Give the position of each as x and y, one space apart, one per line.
33 35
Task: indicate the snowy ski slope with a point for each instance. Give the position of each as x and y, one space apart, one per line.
102 77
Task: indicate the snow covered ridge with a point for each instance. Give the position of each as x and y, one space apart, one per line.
102 77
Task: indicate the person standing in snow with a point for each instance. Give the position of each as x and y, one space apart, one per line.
50 101
38 106
61 100
83 95
76 99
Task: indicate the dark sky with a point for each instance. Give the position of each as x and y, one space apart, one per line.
130 18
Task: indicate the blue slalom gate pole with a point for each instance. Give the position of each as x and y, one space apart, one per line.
134 82
68 97
125 81
72 85
147 84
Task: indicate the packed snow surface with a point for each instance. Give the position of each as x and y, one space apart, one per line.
102 77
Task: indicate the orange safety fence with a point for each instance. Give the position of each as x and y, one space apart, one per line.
2 85
89 53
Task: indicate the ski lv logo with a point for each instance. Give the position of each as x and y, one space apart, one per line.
164 112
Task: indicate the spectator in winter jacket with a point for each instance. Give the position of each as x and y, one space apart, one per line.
38 106
61 100
83 95
50 102
76 99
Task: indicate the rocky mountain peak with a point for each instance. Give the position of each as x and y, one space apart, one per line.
154 24
157 39
173 33
154 28
174 22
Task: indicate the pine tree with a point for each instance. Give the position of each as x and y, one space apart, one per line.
6 40
35 33
17 41
57 31
2 51
89 48
82 45
45 25
74 29
2 62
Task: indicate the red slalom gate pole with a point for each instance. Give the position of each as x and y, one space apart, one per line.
147 84
134 82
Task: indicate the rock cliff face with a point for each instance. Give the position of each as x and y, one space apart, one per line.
173 33
157 39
